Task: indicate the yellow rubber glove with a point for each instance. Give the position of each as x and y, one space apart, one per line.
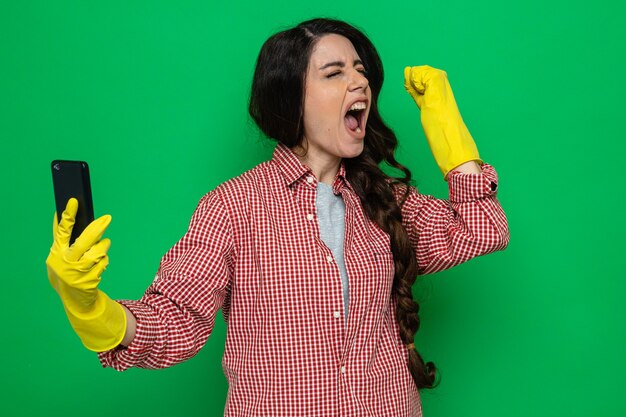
74 272
447 135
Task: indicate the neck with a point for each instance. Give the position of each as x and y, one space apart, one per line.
324 167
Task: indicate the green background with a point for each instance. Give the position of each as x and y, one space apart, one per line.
153 95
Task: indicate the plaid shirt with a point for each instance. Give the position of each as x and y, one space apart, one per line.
253 248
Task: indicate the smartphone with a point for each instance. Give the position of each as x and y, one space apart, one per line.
71 179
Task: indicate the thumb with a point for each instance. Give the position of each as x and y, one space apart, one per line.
414 85
413 77
63 230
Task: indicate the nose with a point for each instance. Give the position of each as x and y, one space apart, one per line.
358 81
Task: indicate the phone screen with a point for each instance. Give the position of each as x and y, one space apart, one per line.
71 179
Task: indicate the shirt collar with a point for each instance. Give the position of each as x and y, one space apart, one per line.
292 169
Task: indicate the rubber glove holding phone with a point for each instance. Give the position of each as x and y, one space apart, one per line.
449 139
74 272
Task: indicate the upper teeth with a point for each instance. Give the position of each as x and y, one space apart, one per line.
359 105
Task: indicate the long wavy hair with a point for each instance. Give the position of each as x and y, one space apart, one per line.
277 107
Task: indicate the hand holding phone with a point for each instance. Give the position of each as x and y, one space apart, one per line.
74 271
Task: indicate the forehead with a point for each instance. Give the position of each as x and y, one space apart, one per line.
333 47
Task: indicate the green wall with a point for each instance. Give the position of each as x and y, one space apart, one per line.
153 95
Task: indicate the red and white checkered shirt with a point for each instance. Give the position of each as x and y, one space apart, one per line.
253 248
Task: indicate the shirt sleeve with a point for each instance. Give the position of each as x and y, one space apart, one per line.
177 312
445 233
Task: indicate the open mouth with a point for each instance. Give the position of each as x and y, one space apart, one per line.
354 118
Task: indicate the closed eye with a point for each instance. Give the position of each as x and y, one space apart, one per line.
363 72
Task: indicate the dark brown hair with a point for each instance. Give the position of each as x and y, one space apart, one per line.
277 107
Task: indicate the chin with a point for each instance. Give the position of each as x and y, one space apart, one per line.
353 151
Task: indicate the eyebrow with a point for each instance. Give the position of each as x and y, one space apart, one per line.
341 64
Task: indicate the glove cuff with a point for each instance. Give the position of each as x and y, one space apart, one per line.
452 145
459 159
101 328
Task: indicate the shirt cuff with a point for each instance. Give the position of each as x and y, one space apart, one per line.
121 357
470 187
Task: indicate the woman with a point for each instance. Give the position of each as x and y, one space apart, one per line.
311 255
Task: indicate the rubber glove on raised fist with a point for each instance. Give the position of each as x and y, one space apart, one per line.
449 139
74 272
